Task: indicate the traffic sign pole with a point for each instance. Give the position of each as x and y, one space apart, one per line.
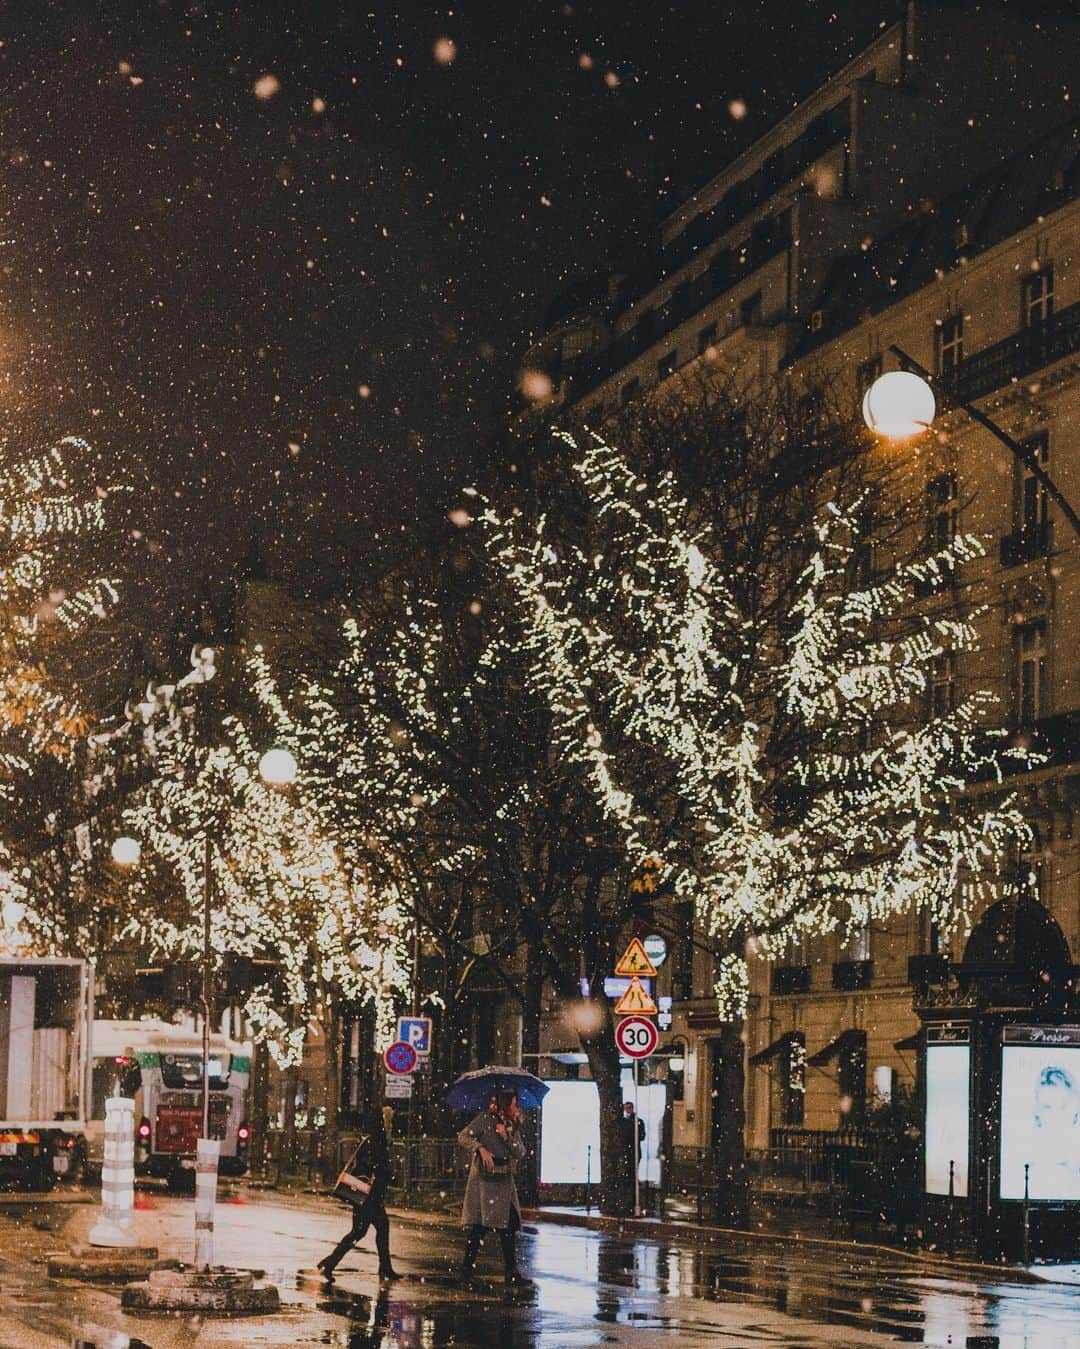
637 1145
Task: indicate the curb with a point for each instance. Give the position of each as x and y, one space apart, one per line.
694 1234
656 1229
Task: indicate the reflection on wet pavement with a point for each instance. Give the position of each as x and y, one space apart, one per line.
592 1290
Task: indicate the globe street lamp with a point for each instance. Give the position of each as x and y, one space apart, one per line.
278 767
901 404
126 851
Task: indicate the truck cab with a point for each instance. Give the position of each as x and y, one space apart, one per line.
160 1066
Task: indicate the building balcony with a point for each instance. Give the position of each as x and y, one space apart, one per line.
848 975
1016 356
790 979
1025 545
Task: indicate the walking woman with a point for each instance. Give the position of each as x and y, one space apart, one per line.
368 1174
491 1200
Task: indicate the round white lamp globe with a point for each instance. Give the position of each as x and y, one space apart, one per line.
899 405
126 851
277 767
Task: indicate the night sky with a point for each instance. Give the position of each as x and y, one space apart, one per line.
275 260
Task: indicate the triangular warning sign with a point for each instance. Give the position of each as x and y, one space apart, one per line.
634 963
636 999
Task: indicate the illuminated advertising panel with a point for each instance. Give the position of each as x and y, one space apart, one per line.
570 1131
1040 1112
948 1110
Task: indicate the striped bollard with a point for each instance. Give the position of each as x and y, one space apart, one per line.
115 1224
206 1174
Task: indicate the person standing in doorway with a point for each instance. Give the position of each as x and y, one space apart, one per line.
491 1199
370 1177
634 1134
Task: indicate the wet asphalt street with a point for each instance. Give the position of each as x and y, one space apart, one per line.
591 1290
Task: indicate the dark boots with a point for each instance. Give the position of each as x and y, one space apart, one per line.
514 1279
472 1250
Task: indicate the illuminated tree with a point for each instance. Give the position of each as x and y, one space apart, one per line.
321 933
787 776
45 526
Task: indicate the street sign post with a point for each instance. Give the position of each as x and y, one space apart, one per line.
634 963
415 1031
655 945
399 1087
636 1037
400 1059
636 1001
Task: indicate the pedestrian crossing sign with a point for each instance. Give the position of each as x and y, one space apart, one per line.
636 1001
635 964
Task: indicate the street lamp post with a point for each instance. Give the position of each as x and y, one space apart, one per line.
901 404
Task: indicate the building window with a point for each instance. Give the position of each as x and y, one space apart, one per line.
682 971
793 1083
865 374
750 310
705 338
940 512
851 1079
856 945
1030 503
943 684
1030 672
629 391
1037 297
950 343
667 364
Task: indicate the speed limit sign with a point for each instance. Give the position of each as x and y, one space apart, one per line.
636 1037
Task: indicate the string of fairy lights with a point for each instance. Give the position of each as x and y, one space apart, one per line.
282 891
816 788
656 654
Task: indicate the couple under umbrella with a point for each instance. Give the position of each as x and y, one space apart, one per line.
494 1137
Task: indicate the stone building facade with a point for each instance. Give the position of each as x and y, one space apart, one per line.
928 197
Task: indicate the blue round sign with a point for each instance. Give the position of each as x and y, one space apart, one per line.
400 1058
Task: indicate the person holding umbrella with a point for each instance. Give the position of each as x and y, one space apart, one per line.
494 1139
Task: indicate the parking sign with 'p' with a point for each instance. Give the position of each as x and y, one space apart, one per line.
415 1031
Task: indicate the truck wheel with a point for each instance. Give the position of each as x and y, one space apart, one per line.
43 1177
77 1167
179 1181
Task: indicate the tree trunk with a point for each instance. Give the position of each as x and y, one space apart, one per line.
532 1003
260 1105
731 1184
617 1177
290 1084
332 1030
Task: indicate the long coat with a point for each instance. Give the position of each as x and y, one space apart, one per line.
372 1158
490 1197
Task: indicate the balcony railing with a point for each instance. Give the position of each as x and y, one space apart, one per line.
1025 545
1016 356
790 979
852 974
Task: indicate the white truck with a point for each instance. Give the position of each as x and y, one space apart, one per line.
46 1015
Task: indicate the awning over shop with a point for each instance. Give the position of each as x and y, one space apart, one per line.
908 1042
780 1046
845 1042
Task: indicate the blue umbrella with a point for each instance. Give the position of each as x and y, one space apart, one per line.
472 1091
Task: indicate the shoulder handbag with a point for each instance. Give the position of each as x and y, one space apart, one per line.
352 1189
